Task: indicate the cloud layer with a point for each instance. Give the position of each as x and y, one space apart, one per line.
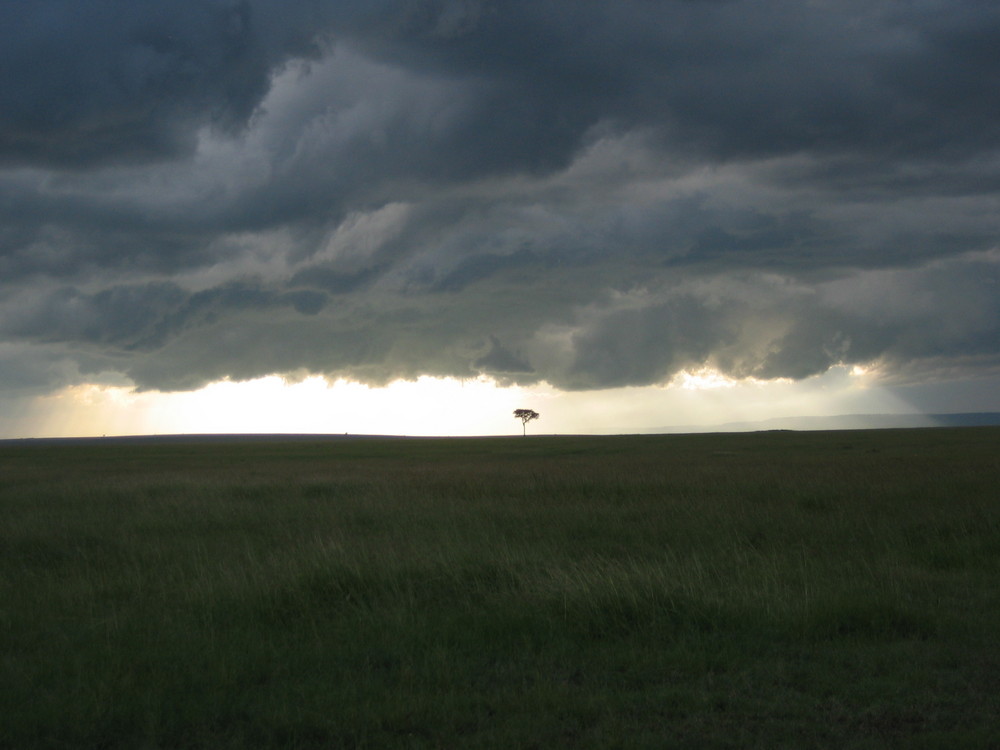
587 193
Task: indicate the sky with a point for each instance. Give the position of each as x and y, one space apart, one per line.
414 216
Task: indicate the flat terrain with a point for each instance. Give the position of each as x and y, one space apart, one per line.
766 590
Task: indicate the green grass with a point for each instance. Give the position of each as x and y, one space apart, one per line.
760 590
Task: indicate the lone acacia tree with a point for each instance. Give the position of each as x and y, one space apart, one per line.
525 415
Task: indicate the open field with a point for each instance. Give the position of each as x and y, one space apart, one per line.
768 590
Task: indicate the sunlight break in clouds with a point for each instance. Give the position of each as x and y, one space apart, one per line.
427 406
446 406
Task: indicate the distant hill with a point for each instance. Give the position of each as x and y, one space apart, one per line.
848 422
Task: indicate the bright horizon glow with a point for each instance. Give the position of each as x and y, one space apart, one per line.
447 406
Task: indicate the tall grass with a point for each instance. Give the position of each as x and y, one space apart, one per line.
764 590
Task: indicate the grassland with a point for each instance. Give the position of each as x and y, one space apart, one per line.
758 590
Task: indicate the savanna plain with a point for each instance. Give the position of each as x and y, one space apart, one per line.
761 590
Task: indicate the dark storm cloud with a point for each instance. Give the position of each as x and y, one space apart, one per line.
143 316
120 80
771 327
114 79
500 361
736 78
590 193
